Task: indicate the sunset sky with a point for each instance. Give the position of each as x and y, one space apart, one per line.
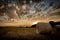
27 12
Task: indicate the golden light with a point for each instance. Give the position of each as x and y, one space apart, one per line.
34 22
17 8
24 7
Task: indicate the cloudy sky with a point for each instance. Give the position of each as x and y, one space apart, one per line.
17 13
25 9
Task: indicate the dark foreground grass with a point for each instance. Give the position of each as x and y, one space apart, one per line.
17 33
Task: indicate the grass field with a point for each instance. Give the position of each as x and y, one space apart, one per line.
17 31
10 33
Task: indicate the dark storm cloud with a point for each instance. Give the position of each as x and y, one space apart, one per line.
56 3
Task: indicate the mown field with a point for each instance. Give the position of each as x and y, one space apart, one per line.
29 33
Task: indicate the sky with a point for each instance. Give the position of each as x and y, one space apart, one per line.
15 13
42 7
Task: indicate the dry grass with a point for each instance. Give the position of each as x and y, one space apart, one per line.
16 31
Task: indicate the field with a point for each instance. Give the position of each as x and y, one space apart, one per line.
29 33
19 33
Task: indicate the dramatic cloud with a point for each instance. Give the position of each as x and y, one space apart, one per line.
29 9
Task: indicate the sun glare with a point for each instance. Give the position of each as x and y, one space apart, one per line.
34 22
